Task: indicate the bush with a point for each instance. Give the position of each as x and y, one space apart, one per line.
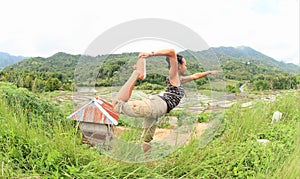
231 89
203 117
261 85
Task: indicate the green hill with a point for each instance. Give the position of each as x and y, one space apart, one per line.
60 63
66 70
247 54
227 56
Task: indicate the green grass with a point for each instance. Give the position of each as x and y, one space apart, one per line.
33 147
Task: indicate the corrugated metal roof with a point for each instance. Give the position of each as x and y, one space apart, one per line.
96 111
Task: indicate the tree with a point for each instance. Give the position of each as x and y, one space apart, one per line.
53 84
261 85
28 82
38 85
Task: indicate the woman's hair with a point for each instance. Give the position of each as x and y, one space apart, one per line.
179 60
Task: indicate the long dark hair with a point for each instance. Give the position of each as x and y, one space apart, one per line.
179 60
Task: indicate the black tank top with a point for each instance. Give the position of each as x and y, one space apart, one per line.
172 95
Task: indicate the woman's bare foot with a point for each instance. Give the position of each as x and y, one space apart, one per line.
140 68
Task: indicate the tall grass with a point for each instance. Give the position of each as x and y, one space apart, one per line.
54 149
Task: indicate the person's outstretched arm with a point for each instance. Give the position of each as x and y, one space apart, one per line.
196 76
165 52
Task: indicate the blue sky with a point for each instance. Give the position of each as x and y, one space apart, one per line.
42 28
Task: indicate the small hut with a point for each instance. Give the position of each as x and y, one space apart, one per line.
96 120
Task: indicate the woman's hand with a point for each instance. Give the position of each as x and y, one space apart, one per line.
214 72
144 55
196 76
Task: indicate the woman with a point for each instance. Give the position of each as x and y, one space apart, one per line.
152 108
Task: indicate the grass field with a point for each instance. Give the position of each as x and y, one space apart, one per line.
37 142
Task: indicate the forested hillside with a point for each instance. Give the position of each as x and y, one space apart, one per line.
65 71
248 55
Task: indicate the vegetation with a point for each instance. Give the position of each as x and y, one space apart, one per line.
65 71
249 56
37 141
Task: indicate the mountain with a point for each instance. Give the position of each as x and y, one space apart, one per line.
241 54
60 61
67 67
241 63
7 59
247 54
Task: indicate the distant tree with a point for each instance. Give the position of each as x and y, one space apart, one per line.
298 78
38 85
53 84
28 82
261 85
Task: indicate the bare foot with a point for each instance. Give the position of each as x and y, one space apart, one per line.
141 68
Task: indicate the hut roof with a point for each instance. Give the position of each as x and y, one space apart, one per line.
96 111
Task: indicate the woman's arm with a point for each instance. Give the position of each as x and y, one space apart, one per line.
166 52
196 76
173 72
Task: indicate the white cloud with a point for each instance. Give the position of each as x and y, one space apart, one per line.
42 28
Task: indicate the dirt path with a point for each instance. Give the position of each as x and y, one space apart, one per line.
173 136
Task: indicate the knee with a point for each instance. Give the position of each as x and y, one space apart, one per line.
114 103
117 106
147 139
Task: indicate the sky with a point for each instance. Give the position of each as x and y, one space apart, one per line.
43 28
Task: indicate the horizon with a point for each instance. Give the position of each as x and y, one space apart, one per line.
126 52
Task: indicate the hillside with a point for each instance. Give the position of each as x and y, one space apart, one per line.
72 67
62 62
239 64
7 59
247 54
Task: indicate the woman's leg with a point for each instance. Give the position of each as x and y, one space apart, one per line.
125 92
147 137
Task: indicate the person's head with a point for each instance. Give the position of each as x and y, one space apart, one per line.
181 63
